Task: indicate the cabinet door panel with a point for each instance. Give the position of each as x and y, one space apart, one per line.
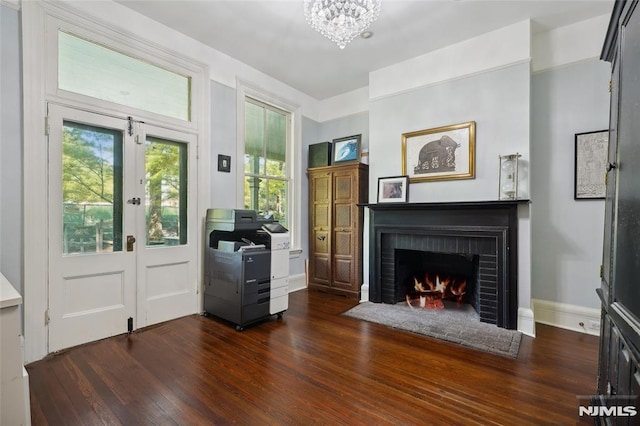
343 273
343 244
605 349
320 241
343 217
321 216
613 355
321 188
321 271
343 187
609 207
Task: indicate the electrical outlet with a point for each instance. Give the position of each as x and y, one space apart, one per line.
594 325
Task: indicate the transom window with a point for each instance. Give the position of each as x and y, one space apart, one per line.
93 70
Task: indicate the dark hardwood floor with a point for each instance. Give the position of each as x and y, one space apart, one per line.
313 367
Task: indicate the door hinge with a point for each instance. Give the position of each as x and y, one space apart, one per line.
610 86
47 128
601 271
46 317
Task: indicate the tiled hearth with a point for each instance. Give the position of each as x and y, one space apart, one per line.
488 230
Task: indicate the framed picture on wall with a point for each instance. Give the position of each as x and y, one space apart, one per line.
346 150
394 189
441 153
591 152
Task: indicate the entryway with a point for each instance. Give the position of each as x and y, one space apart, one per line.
122 225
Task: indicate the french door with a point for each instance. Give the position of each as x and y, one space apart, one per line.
122 226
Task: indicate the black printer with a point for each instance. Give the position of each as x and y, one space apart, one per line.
238 267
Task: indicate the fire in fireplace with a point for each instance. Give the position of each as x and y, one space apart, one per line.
427 279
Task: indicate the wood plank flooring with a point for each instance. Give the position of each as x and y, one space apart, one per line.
313 367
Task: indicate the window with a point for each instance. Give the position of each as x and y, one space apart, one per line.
266 166
91 187
93 70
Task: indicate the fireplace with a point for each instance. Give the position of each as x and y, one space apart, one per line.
425 279
479 239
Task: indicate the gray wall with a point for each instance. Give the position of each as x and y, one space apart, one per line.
310 131
566 234
223 141
346 126
498 101
10 147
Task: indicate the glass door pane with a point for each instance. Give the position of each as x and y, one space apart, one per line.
166 192
91 189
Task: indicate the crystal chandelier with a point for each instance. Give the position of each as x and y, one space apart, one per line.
341 20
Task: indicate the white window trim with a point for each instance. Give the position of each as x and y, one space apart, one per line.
243 90
37 19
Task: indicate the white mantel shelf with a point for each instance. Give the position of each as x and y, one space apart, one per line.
8 295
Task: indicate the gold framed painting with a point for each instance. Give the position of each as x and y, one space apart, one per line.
441 153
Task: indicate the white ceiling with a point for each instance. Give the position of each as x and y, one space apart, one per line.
273 36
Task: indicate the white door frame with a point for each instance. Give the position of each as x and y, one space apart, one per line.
37 65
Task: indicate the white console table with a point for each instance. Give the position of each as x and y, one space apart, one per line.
14 384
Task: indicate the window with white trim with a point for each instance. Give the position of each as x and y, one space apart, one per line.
267 176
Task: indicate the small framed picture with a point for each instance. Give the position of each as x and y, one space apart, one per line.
592 149
393 189
346 149
224 163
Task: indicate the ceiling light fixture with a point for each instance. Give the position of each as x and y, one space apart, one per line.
341 20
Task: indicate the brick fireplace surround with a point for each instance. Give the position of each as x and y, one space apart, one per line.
488 229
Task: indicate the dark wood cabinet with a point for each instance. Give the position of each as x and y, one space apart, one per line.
335 227
619 369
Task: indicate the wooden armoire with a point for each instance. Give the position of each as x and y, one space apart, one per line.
335 227
619 366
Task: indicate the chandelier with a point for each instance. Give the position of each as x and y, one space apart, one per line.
341 20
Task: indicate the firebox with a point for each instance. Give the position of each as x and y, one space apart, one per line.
425 279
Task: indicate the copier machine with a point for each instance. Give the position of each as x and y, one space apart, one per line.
246 267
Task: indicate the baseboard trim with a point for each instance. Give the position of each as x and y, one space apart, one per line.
297 282
570 317
526 323
364 293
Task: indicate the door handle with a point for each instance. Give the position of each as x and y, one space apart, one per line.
130 242
135 201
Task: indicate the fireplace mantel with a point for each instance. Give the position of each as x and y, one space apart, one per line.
491 204
487 228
